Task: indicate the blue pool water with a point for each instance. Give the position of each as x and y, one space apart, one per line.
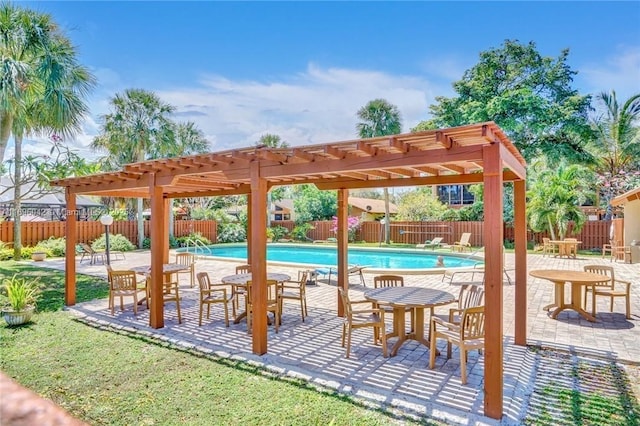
374 258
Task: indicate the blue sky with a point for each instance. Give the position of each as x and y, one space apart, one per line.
302 69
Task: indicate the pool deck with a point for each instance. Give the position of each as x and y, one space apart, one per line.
403 384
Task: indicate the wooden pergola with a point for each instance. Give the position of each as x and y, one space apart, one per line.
479 153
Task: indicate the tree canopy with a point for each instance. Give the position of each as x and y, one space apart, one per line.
528 95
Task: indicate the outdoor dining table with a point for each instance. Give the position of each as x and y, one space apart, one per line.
167 270
578 279
401 298
241 280
566 248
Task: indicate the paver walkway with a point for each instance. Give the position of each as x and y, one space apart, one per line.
404 383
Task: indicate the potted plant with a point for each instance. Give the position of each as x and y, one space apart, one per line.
19 297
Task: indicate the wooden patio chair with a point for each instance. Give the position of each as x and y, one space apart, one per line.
548 248
468 335
210 294
123 284
359 318
608 248
573 248
470 296
463 244
296 290
238 291
187 259
170 292
94 255
273 303
607 288
380 281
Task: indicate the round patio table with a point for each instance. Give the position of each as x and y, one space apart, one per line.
401 298
578 279
241 280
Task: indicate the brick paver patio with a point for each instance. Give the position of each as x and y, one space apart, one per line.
404 383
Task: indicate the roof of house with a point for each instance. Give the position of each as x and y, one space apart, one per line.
371 205
620 200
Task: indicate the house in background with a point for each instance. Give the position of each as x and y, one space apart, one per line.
368 209
282 210
630 202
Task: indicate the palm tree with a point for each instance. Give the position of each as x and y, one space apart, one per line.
42 90
555 198
272 141
380 118
617 143
139 129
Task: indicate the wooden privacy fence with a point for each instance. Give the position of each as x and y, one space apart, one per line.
33 232
594 234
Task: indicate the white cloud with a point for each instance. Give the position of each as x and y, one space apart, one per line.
620 72
314 106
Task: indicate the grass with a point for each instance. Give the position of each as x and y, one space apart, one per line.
585 392
105 377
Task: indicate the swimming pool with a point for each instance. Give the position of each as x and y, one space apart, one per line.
376 259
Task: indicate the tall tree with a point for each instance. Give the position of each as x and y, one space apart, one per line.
42 87
140 128
528 95
617 145
269 140
380 118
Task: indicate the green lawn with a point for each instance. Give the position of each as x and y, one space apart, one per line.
105 378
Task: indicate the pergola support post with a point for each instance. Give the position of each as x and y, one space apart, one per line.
70 249
493 240
343 245
520 240
168 219
258 252
249 228
158 231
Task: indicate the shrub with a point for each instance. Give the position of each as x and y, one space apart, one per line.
299 233
54 246
19 293
117 242
194 236
7 254
231 233
173 242
276 233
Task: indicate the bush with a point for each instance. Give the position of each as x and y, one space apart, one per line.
55 246
117 242
299 233
194 236
7 254
276 233
231 233
173 242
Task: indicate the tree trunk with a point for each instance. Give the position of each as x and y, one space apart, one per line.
17 199
6 123
387 222
551 229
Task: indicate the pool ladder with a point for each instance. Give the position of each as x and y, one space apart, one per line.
199 248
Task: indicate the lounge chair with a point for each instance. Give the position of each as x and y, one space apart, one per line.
432 244
94 255
463 244
353 270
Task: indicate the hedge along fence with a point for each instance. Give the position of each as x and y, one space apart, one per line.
33 232
594 234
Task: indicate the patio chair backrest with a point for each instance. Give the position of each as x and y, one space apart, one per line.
436 241
464 239
472 323
203 281
608 273
86 247
243 269
123 281
470 296
185 259
388 281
